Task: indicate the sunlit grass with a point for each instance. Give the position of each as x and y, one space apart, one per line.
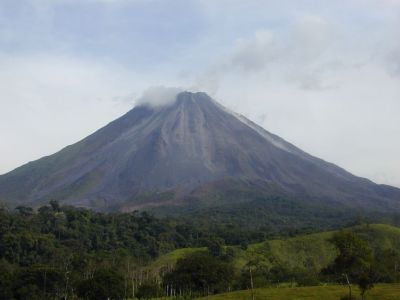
327 292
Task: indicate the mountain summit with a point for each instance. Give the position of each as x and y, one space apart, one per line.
185 151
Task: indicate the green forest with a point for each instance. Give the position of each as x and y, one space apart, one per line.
63 252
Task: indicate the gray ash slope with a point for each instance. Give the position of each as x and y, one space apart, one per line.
160 156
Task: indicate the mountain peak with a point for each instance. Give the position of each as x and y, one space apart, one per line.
160 98
180 146
192 97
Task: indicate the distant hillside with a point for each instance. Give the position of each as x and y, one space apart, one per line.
308 252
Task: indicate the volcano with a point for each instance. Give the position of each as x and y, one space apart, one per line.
185 152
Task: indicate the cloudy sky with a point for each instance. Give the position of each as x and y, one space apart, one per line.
324 75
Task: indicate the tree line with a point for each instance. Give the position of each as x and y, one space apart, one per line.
63 252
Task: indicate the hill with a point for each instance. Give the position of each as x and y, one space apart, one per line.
307 253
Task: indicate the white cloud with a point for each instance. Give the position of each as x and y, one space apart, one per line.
255 53
392 61
308 38
157 96
311 37
301 55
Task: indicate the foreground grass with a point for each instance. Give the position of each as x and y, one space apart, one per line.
328 292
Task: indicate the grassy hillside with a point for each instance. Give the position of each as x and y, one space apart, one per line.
329 292
307 252
170 258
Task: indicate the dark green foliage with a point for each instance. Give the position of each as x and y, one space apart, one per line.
24 210
32 238
260 274
105 284
38 282
303 278
244 245
264 217
53 251
263 275
355 254
200 273
386 265
149 291
354 261
58 252
215 247
365 282
6 280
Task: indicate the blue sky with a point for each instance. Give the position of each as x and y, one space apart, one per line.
324 75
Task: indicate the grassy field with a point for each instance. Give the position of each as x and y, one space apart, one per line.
328 292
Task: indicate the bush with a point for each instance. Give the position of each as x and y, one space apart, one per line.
307 279
149 291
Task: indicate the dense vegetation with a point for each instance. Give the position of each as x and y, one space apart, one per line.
364 254
62 252
262 217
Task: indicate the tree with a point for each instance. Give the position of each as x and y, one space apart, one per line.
200 272
387 265
6 279
148 291
216 247
38 282
105 284
24 210
354 260
55 205
365 282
